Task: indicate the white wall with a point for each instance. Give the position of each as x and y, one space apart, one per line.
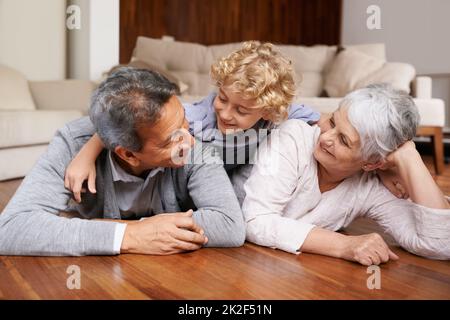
414 31
94 48
104 40
32 37
78 44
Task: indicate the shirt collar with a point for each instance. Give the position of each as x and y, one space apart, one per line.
119 174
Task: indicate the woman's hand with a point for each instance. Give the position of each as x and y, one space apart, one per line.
389 173
405 152
415 177
79 170
367 249
392 181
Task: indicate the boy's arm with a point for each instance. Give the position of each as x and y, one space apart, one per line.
82 167
303 112
218 211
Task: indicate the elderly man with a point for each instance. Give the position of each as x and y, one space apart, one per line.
143 172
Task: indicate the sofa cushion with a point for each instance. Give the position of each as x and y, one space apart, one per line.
69 94
172 55
218 51
309 84
308 64
170 76
22 128
398 74
189 62
14 91
349 67
353 69
376 50
199 84
17 162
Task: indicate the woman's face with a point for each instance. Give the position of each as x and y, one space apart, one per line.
235 113
339 147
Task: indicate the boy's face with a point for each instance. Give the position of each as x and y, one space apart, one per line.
235 113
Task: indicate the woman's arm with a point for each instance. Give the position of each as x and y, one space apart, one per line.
423 225
281 160
82 167
416 178
275 231
295 236
419 229
366 249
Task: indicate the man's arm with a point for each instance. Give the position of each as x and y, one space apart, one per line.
218 213
30 224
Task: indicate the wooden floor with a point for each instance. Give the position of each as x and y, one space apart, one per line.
250 272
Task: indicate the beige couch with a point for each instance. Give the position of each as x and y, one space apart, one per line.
319 67
30 113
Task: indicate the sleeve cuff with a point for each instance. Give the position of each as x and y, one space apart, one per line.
119 233
292 238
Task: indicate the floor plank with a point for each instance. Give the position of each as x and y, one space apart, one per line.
249 272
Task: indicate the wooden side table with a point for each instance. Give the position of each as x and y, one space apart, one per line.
436 135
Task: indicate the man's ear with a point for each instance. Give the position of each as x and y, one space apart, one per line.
127 156
372 166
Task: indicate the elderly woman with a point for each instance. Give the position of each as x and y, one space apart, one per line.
308 182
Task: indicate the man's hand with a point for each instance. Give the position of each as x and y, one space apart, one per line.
367 249
164 234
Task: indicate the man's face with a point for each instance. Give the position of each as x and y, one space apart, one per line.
167 142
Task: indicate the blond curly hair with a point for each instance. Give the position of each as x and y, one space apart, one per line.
258 71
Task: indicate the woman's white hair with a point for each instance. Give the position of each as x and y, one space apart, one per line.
384 117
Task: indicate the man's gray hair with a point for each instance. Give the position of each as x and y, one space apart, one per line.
127 99
384 117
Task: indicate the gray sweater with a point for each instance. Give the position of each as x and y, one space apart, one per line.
31 223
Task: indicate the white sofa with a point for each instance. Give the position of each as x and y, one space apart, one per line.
31 111
190 64
30 114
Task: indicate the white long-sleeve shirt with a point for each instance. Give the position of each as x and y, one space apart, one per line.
283 202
